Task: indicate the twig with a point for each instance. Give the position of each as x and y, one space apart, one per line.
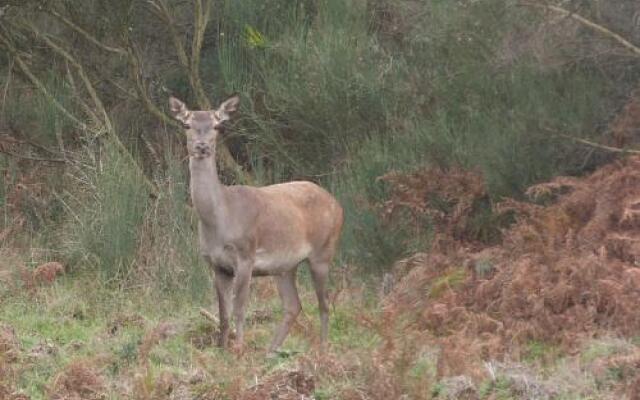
201 17
635 49
598 145
209 316
6 86
86 34
134 69
30 158
38 84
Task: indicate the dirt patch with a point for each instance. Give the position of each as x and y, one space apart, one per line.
9 345
47 272
124 321
622 370
563 272
160 333
80 380
9 355
285 385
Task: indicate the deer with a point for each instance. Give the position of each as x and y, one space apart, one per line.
248 231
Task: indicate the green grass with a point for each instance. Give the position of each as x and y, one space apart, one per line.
105 214
109 328
111 324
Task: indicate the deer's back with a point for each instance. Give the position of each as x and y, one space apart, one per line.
295 218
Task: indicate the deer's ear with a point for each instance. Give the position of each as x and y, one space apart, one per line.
179 110
223 113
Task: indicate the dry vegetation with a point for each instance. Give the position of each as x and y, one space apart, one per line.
564 272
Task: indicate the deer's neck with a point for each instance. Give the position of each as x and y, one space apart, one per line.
207 193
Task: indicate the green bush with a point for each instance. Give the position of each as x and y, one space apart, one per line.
344 92
169 254
106 210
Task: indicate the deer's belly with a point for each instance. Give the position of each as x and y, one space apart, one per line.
265 262
277 262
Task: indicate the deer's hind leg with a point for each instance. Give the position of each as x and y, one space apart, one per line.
291 306
320 276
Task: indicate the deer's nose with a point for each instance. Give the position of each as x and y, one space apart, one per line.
201 147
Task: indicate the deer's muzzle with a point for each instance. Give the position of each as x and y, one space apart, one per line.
201 150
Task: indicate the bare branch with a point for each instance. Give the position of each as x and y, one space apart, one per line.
106 120
86 34
134 66
134 69
83 76
38 84
202 13
598 145
200 26
6 86
31 158
209 316
607 32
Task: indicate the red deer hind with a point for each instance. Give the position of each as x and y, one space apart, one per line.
247 231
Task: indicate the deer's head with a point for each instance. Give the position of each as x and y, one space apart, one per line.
202 127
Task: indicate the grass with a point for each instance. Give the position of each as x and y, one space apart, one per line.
138 341
113 324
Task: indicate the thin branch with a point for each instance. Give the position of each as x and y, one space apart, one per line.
165 13
191 65
134 69
28 142
72 83
201 18
6 86
209 316
38 84
31 158
86 34
607 32
598 145
83 76
106 120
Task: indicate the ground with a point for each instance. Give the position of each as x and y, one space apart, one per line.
548 311
76 339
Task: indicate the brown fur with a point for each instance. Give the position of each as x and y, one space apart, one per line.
249 231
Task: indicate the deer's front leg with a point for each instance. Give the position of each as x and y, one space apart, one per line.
241 284
223 284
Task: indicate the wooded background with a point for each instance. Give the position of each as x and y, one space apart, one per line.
341 93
